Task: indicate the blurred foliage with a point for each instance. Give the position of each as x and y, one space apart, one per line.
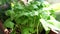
30 18
56 6
4 1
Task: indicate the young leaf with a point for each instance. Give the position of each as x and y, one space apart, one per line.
9 24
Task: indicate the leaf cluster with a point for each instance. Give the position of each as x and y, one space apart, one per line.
30 18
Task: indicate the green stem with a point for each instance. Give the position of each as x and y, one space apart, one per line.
37 28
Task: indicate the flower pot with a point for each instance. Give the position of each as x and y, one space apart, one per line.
2 29
53 32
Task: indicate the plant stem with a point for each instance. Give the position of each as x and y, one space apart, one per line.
37 27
